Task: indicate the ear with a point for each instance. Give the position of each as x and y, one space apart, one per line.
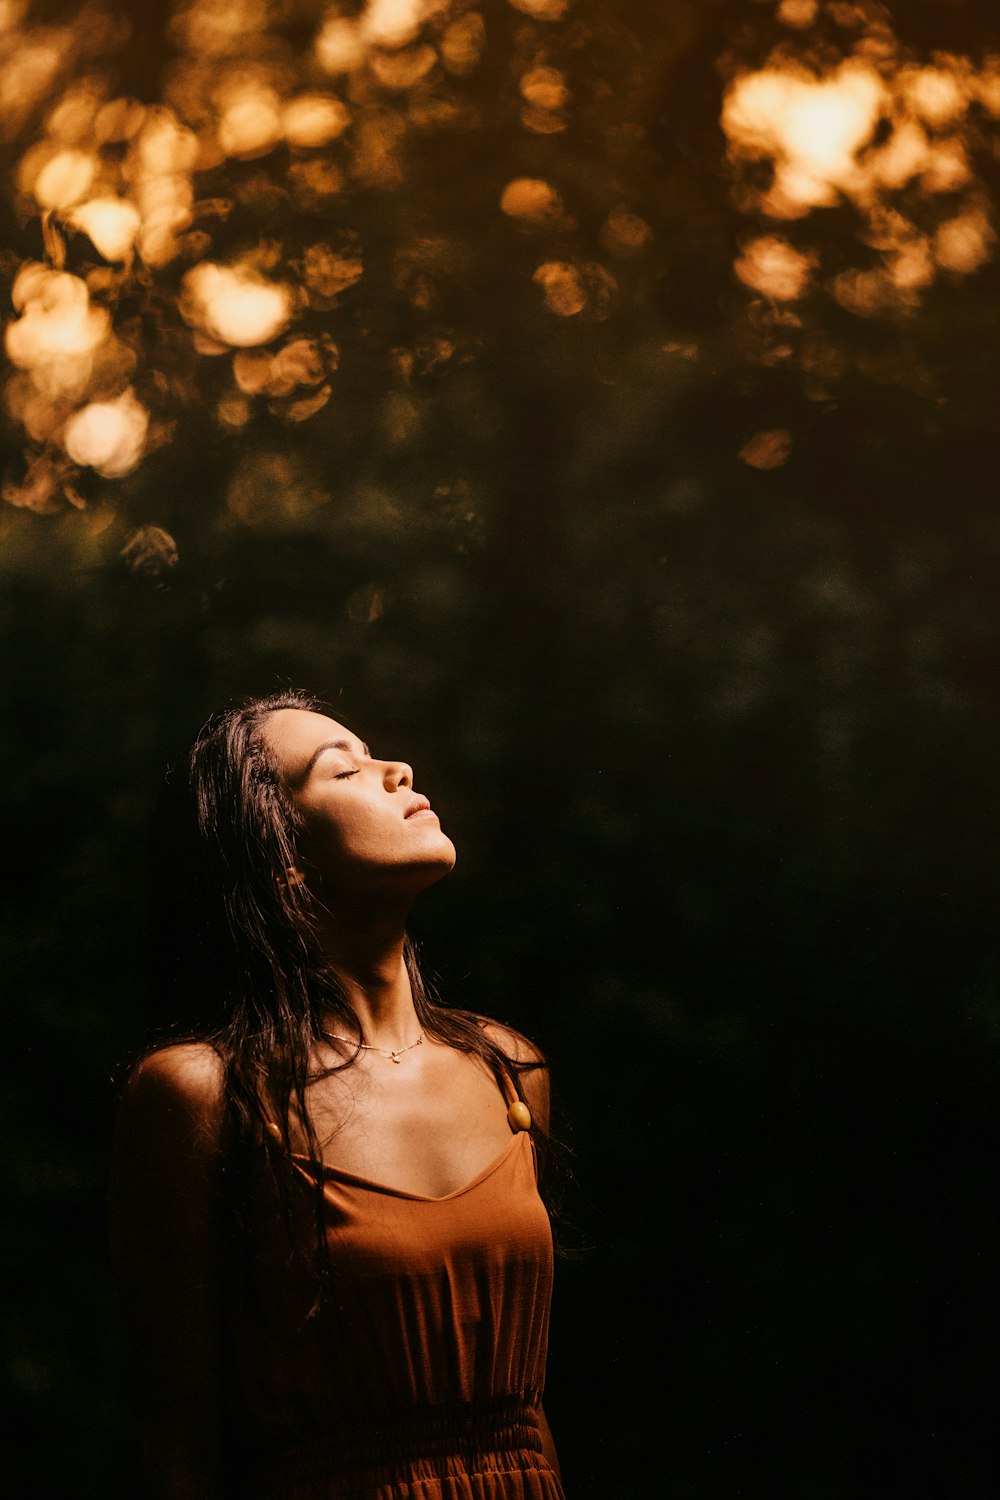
291 878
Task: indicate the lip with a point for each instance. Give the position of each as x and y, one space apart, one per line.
417 806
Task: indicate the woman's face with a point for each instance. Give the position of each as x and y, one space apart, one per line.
362 826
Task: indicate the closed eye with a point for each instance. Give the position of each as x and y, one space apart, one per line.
343 775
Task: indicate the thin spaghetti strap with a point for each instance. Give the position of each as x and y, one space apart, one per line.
518 1113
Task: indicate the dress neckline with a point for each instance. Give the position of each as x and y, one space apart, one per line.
354 1179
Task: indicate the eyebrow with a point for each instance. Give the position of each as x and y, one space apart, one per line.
304 775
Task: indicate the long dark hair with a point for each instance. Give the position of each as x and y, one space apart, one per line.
234 956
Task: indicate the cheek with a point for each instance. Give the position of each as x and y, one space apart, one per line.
337 839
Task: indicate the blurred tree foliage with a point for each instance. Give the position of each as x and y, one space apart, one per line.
597 403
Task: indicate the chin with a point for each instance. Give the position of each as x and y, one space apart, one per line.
435 867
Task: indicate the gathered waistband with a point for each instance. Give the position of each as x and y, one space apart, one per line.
436 1437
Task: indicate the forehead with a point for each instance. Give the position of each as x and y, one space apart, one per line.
294 734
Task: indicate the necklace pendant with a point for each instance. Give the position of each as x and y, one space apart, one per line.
395 1057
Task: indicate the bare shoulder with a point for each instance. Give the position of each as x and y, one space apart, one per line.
179 1088
534 1078
513 1043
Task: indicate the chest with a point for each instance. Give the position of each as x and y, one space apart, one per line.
425 1129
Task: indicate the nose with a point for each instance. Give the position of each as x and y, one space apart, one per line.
397 774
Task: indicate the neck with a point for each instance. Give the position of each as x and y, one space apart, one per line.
365 951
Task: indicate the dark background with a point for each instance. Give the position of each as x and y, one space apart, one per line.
717 745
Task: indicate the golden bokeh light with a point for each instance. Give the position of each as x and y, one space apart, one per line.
57 320
772 266
339 46
44 488
112 225
250 120
867 294
208 28
570 290
811 128
563 288
463 43
71 120
545 88
235 307
542 10
938 95
165 146
401 70
798 13
531 200
313 120
395 23
65 179
30 63
327 273
862 132
118 120
625 233
108 436
964 243
770 449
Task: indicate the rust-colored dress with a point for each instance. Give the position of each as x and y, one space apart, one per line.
424 1383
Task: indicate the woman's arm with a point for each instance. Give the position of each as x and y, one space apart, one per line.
536 1087
548 1445
168 1244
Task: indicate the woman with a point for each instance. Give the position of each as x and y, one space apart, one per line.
324 1212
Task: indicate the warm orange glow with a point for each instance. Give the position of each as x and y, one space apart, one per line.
947 168
937 95
301 362
327 273
772 266
798 13
542 10
964 243
401 70
118 120
165 146
27 73
986 88
108 436
812 128
395 23
819 134
563 288
314 120
531 199
463 43
339 46
912 265
43 488
542 121
57 321
236 308
624 233
65 179
111 223
210 28
71 120
545 88
767 450
865 293
573 289
904 155
250 123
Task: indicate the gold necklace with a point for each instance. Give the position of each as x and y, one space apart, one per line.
369 1047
